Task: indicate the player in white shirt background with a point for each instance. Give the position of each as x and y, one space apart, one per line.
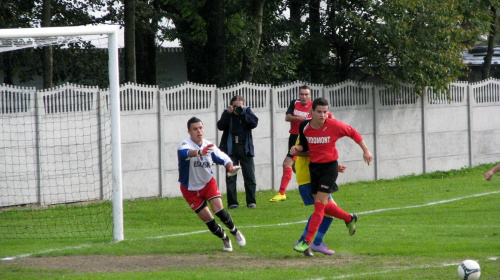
198 185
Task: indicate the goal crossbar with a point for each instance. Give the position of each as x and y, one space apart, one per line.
112 33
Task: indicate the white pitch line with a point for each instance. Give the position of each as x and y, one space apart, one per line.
259 226
428 204
43 252
385 271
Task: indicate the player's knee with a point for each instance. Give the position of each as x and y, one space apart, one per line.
288 162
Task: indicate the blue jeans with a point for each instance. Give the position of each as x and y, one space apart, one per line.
239 157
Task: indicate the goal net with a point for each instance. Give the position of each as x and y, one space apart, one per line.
60 171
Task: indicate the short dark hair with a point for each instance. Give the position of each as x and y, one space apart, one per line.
319 102
237 98
305 87
193 120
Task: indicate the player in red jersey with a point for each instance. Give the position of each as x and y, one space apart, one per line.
318 136
298 110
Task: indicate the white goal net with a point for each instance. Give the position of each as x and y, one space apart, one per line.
60 171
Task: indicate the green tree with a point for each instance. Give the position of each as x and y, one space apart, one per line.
26 64
420 42
221 39
493 25
14 14
130 58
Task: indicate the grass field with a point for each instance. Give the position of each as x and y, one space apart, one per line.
416 227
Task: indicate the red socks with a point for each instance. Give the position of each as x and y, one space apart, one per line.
315 221
333 210
287 176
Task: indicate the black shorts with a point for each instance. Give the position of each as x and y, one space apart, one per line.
291 142
324 177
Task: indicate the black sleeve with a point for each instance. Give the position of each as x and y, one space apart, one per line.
302 137
291 107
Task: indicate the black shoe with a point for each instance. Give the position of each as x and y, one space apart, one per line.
233 206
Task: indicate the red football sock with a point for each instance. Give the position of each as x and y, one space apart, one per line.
333 210
287 176
315 221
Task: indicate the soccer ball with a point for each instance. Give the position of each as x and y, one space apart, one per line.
469 270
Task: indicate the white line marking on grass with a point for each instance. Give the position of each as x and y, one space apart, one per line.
43 252
386 271
170 235
203 231
428 204
259 226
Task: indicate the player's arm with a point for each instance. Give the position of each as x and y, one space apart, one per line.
292 118
289 112
295 150
192 153
229 166
367 155
301 154
302 138
341 168
219 157
297 153
203 151
490 173
349 131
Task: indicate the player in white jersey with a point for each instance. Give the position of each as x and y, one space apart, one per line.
198 186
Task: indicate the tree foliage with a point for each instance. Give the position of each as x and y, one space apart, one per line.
276 41
73 64
419 42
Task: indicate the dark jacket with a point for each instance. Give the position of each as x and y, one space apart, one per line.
224 124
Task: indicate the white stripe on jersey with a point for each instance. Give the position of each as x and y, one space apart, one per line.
196 172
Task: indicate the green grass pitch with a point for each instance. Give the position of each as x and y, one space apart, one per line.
415 227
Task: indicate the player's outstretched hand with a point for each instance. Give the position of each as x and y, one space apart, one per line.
295 149
207 150
341 168
233 171
488 175
367 157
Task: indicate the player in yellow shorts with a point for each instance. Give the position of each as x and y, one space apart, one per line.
304 180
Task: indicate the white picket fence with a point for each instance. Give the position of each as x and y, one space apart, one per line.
407 133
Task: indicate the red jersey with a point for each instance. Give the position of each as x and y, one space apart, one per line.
297 109
321 142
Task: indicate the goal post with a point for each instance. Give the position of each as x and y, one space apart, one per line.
51 36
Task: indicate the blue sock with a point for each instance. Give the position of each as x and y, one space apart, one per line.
323 228
305 230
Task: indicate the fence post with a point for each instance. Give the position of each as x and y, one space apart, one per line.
101 143
161 109
469 94
274 106
424 129
38 110
219 108
376 104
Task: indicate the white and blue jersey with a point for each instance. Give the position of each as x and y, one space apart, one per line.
196 172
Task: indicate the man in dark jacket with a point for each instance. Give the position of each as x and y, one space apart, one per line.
237 122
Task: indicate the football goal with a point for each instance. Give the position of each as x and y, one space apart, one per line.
60 152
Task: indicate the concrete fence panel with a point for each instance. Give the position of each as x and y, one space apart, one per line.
178 105
406 132
258 98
